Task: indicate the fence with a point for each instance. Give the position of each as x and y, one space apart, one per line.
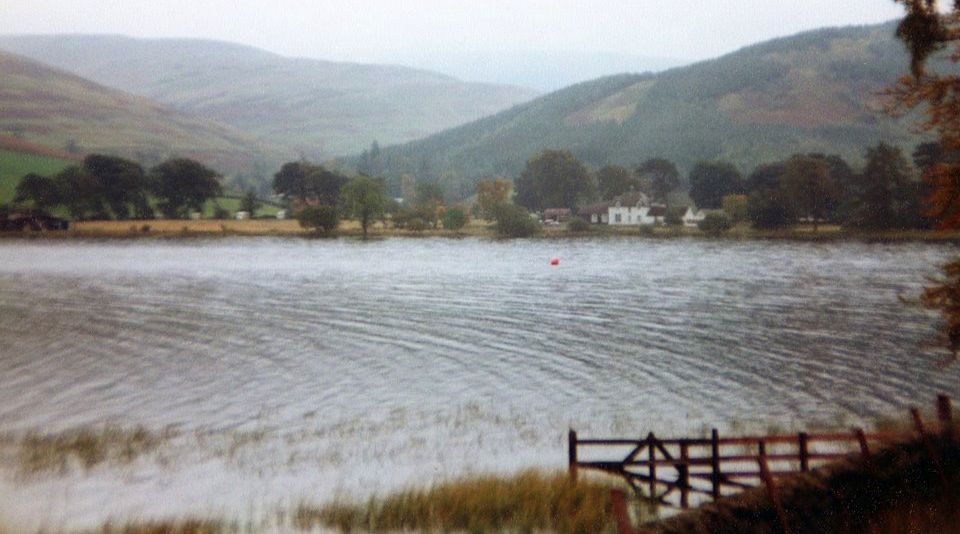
709 468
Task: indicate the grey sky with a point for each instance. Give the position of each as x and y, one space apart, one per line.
371 30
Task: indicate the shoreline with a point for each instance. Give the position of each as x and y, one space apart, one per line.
191 229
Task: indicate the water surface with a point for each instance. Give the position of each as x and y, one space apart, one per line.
296 369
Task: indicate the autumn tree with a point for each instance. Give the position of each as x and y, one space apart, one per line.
492 193
926 31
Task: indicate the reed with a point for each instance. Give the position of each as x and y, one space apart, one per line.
530 501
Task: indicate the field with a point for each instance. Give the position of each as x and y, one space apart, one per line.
13 165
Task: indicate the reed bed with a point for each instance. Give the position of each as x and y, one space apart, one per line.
86 447
528 502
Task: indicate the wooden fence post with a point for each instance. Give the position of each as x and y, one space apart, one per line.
683 470
802 439
620 513
652 454
944 411
773 492
862 438
918 422
715 462
572 454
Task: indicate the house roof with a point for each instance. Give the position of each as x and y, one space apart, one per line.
597 208
657 211
633 198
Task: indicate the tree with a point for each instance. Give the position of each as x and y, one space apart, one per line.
250 203
808 186
429 200
303 181
323 219
81 193
614 180
492 193
454 218
926 31
181 184
766 205
664 177
711 181
553 179
887 197
123 184
43 192
365 198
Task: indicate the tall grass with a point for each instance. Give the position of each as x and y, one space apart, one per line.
530 501
185 526
88 447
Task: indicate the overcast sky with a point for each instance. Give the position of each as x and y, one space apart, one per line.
370 30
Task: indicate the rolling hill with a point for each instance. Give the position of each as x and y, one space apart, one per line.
313 108
51 107
812 92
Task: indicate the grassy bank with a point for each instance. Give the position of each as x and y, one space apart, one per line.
167 228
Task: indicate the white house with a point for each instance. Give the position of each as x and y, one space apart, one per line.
634 209
693 216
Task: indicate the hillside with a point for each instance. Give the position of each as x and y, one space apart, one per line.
50 107
813 92
315 108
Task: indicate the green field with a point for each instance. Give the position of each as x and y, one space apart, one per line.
13 165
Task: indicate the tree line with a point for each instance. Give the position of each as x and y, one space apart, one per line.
321 197
887 193
109 187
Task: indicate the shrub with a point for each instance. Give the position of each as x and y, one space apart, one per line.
416 224
454 218
514 221
674 217
646 230
323 219
578 225
714 224
220 213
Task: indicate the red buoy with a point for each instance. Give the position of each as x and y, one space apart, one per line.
555 261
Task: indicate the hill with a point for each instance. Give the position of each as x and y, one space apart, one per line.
813 92
315 108
47 106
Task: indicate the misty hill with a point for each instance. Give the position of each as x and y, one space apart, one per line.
310 107
813 92
544 70
47 106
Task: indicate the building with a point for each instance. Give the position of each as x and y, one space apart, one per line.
556 214
693 216
634 209
596 213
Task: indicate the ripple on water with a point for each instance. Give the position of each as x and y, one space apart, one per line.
407 357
